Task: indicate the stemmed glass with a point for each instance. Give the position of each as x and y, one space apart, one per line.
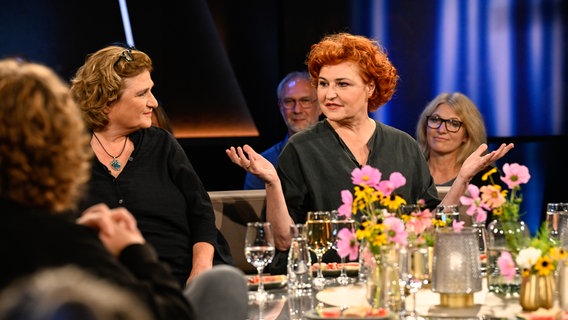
319 228
415 272
259 251
339 222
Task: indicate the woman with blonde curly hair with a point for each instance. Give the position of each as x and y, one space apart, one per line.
143 167
353 76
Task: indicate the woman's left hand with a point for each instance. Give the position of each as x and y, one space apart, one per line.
476 162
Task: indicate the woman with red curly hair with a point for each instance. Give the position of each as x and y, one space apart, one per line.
353 76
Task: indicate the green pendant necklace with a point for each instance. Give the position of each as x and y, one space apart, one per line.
114 163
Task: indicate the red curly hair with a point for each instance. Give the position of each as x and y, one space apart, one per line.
368 54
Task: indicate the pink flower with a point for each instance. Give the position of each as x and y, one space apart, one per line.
515 174
476 206
419 221
506 265
347 244
395 230
457 225
396 180
367 175
346 208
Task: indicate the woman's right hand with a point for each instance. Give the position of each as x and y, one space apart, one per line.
117 227
252 162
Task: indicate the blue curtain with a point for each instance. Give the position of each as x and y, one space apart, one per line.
507 56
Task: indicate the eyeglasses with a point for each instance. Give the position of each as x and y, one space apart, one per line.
290 103
452 125
126 55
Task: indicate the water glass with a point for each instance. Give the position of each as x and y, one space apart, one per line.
553 210
299 260
259 251
338 223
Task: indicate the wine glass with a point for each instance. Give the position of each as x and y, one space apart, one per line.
339 222
415 273
259 251
319 240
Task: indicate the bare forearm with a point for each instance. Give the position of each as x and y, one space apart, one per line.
277 214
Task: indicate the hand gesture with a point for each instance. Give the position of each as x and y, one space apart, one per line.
476 162
253 162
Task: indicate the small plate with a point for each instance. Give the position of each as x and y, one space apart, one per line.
269 282
313 315
334 269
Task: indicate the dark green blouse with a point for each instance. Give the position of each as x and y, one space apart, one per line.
315 165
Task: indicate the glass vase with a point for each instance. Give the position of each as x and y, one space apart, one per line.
383 281
504 236
537 292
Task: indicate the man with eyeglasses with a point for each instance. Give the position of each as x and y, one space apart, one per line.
298 105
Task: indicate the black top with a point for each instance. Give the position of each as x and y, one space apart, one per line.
160 187
31 240
316 165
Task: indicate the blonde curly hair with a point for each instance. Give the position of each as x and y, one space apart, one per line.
368 54
44 147
99 82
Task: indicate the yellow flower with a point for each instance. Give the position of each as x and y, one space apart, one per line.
544 266
438 223
488 173
392 202
558 253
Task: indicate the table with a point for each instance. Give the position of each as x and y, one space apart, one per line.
486 305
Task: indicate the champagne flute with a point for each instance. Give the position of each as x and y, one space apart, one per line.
259 251
339 222
319 240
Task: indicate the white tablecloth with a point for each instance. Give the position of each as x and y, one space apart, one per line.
486 304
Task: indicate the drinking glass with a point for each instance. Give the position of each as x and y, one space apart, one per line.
259 251
415 274
553 212
448 213
319 240
339 222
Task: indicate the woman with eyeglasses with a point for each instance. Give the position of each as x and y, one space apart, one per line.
142 167
353 76
449 129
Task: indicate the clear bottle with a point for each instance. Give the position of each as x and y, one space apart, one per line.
299 261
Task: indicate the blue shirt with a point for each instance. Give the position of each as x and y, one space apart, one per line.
271 154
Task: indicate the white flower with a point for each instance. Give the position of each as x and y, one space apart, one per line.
528 257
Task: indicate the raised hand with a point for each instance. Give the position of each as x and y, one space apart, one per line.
477 162
251 161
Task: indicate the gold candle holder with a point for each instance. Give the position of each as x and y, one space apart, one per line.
456 300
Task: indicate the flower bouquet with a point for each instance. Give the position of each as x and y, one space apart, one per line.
381 230
513 255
